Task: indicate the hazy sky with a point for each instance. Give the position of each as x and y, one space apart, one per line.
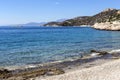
23 11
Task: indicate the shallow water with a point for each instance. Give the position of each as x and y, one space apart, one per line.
21 46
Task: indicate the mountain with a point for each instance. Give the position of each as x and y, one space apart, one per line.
109 15
34 24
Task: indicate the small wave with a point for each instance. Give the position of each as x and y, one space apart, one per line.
26 66
115 51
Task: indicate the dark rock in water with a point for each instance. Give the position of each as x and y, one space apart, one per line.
100 52
27 74
93 51
4 73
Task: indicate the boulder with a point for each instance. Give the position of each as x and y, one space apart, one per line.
4 71
99 52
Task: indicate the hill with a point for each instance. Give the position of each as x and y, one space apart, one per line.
108 15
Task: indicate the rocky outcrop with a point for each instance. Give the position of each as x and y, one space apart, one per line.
25 74
95 53
111 22
4 73
115 25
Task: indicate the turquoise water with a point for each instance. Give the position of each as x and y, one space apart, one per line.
21 46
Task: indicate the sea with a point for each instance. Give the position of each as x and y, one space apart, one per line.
38 45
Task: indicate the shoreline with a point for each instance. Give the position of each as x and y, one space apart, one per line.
105 71
57 68
34 65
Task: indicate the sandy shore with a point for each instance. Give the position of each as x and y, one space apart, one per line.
107 71
99 65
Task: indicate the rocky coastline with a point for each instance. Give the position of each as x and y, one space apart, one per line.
113 26
108 19
93 59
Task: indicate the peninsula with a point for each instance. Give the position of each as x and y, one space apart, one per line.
108 19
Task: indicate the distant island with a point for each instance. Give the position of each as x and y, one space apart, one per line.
37 24
108 19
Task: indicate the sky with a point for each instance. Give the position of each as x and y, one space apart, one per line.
25 11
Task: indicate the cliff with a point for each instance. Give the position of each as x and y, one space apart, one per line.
110 22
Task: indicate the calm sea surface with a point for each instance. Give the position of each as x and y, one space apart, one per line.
21 46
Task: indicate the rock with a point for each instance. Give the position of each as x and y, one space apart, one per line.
118 12
4 73
93 51
111 22
98 52
115 26
27 74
